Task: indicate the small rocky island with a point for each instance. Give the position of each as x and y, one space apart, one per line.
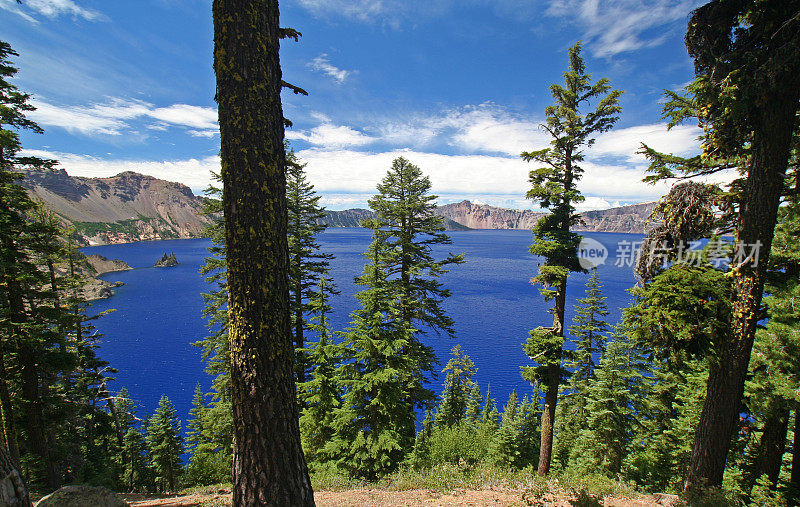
167 261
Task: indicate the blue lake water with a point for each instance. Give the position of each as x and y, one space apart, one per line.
159 310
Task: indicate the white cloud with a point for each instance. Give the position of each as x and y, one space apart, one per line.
186 115
328 135
471 176
492 129
51 9
323 64
680 140
611 27
114 116
193 172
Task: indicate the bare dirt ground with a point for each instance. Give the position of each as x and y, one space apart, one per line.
415 497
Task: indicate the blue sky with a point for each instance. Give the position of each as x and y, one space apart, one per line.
456 86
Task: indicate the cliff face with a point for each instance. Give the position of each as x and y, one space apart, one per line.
483 216
120 209
353 218
631 219
466 215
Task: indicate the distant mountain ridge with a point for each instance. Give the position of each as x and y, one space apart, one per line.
466 215
124 208
133 207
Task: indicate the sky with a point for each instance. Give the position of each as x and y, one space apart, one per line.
458 87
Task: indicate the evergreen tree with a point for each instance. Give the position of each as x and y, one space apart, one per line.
588 330
268 457
307 264
458 389
164 445
554 187
489 413
320 394
513 444
745 96
667 410
406 225
611 413
374 427
52 393
384 376
588 336
473 413
136 471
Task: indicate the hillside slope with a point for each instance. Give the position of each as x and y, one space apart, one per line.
119 209
469 215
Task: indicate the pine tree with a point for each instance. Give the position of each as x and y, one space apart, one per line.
513 444
458 389
406 225
588 329
554 187
384 376
473 413
588 336
164 445
51 380
667 409
374 427
321 393
611 410
268 457
747 93
307 264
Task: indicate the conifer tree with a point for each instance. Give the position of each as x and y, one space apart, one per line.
554 187
588 336
164 445
406 225
384 376
588 330
374 427
268 457
307 263
458 389
136 471
745 96
513 444
474 401
321 393
610 408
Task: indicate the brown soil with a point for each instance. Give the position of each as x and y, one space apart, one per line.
416 497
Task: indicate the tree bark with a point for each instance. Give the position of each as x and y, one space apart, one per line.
794 480
757 218
773 445
268 465
7 412
13 492
548 421
553 384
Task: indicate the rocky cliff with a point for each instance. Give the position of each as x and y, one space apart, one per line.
467 215
353 218
120 209
483 216
632 218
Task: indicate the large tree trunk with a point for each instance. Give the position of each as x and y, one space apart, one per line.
758 214
548 422
13 492
553 384
268 465
794 480
7 412
773 445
